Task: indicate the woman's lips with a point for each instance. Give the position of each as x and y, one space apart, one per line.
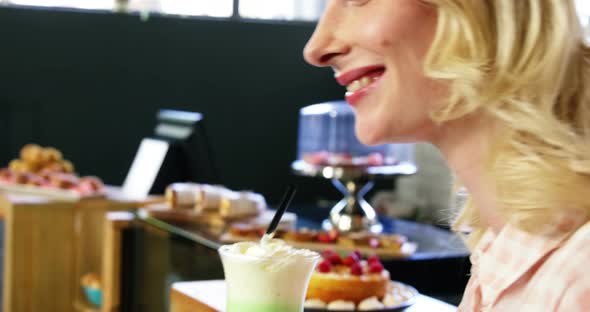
348 77
360 82
354 97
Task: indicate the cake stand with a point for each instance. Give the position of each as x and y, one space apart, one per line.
352 213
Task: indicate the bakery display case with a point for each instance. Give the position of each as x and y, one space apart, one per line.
150 249
52 242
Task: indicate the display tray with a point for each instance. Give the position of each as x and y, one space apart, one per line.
410 299
52 193
304 168
164 212
407 249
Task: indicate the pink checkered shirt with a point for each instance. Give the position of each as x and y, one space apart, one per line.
518 271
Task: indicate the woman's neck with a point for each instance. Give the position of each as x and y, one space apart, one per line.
465 144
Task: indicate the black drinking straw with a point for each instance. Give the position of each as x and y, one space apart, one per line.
287 197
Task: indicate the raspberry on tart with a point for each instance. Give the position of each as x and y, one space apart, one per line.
353 280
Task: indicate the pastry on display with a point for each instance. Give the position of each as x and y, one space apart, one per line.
240 204
215 199
385 245
45 168
181 195
352 283
327 138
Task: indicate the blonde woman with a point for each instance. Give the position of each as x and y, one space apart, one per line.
500 87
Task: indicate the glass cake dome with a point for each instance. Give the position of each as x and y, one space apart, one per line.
327 138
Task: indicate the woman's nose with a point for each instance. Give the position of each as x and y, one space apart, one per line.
324 46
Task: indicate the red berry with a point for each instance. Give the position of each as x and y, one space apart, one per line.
375 267
373 258
356 269
325 266
350 260
335 259
358 254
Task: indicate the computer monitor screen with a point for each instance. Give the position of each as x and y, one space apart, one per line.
188 156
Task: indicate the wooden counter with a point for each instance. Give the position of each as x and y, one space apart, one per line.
49 245
209 296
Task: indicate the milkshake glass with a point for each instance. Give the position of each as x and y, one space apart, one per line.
266 276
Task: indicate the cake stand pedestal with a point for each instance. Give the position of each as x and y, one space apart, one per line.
353 213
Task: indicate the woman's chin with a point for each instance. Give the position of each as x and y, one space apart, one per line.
369 136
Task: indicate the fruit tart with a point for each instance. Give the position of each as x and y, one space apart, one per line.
349 279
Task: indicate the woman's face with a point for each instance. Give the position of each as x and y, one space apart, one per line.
377 49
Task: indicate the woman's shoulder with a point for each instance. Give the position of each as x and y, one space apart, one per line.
561 278
579 241
573 257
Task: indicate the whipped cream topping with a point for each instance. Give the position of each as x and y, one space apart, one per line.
371 303
341 305
269 248
314 304
274 252
392 300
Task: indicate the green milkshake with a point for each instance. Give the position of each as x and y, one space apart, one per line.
266 276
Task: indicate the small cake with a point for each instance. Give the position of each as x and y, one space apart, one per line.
211 197
242 204
327 137
349 279
181 195
216 199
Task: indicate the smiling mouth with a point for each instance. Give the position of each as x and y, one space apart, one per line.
360 82
361 77
363 82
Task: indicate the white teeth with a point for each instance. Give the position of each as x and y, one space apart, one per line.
365 80
355 85
359 83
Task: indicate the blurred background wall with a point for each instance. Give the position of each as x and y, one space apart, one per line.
90 84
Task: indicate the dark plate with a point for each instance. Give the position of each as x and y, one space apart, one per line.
399 307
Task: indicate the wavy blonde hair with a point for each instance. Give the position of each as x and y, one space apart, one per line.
525 64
